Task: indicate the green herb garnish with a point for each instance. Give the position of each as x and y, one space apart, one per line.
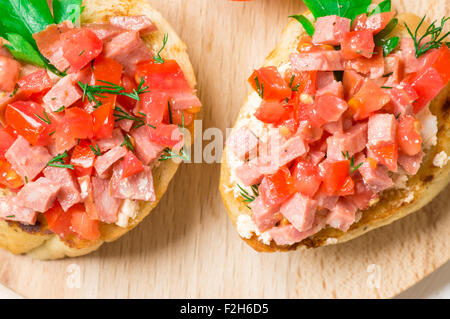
433 32
127 143
96 150
158 58
307 25
259 87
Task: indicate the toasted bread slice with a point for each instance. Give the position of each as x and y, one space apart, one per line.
37 241
395 203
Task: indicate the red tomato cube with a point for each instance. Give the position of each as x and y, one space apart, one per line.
356 44
80 46
269 84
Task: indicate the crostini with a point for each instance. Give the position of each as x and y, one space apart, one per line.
345 129
96 97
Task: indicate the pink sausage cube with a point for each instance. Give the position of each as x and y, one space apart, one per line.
300 210
39 195
9 73
331 30
382 129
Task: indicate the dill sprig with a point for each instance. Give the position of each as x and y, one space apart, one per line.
96 150
247 197
259 87
127 143
58 161
120 115
169 154
93 92
432 31
46 119
353 168
157 58
291 82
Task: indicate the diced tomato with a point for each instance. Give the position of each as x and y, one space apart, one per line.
131 165
356 44
369 99
35 82
330 107
81 171
306 176
168 78
429 81
270 111
348 188
302 82
386 154
124 101
403 94
80 46
155 105
8 177
276 188
107 70
166 135
377 22
408 135
335 177
80 123
269 84
59 221
24 118
6 140
83 156
359 23
176 117
103 120
82 225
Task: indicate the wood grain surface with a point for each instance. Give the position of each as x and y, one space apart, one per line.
187 247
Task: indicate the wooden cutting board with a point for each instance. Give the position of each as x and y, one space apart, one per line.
188 248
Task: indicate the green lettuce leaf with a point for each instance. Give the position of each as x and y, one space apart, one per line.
67 10
307 25
343 8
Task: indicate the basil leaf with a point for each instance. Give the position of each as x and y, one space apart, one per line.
307 25
389 45
11 23
66 10
384 6
387 29
22 50
343 8
34 14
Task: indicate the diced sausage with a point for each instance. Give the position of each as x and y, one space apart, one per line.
28 161
108 143
317 61
146 150
69 193
128 49
353 141
11 209
343 215
39 195
300 211
9 73
63 93
331 30
140 24
138 186
107 206
411 164
107 160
